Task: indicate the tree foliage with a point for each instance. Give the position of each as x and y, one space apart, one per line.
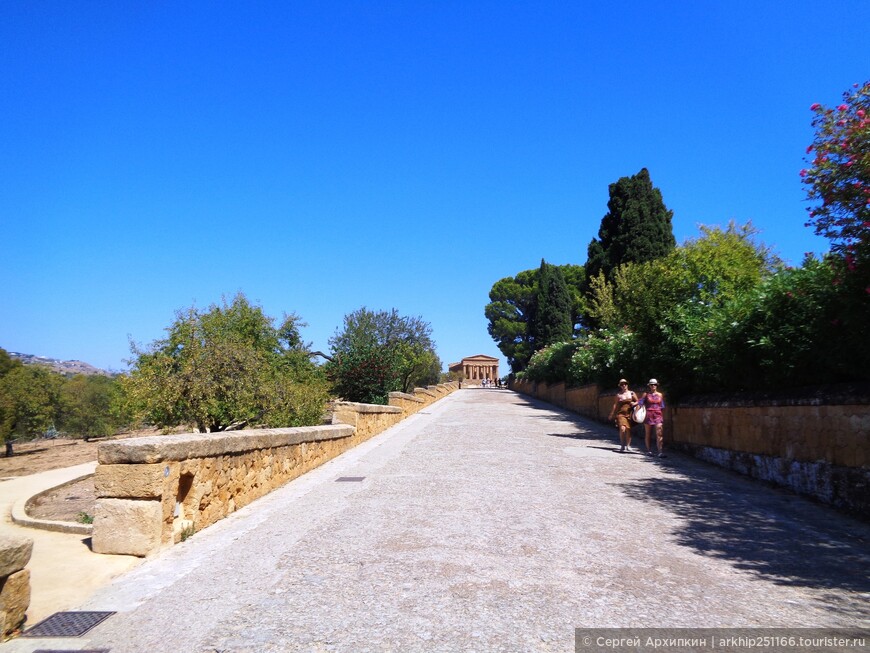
659 317
29 401
512 308
35 399
709 270
795 328
377 352
7 363
636 228
551 310
511 305
91 406
365 373
838 177
226 367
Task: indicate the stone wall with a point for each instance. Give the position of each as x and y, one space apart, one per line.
818 444
155 491
15 553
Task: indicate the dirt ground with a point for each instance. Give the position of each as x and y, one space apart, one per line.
65 503
68 503
43 455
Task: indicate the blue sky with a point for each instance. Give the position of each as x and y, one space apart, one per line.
323 156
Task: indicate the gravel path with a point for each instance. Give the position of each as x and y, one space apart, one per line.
491 522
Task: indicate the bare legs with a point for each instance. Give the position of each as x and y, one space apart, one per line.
660 440
624 436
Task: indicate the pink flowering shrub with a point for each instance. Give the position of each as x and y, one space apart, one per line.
838 175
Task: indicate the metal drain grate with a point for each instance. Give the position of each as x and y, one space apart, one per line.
66 624
350 479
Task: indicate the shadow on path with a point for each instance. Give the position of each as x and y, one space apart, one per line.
771 533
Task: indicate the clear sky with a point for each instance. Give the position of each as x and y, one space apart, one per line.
323 156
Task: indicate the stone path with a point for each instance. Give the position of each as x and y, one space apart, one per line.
490 522
63 570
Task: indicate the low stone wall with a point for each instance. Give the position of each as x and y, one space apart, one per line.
408 403
817 445
155 491
584 400
14 582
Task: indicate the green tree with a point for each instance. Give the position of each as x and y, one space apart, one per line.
709 270
575 281
226 368
398 345
636 228
551 315
365 373
29 400
7 363
88 405
667 304
511 305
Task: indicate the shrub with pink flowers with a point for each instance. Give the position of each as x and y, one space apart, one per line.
838 176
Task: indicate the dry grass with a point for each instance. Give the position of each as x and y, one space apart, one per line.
43 455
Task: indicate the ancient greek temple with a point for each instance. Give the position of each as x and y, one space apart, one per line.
477 368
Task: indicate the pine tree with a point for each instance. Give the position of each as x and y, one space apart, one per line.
551 319
636 228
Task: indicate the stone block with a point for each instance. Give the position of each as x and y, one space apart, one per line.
14 553
14 600
129 481
127 526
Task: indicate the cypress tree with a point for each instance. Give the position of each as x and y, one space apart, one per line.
551 319
636 228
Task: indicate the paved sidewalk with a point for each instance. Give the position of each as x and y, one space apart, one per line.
489 522
64 572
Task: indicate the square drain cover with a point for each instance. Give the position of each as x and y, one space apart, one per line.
66 624
350 479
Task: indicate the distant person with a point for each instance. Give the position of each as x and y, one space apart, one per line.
654 402
621 411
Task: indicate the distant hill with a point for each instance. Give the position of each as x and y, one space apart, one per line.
63 367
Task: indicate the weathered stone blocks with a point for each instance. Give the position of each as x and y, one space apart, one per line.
151 490
15 553
127 526
14 600
129 481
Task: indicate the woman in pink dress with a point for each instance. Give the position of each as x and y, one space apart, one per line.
654 402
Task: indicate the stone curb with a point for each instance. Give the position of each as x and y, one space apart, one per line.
19 515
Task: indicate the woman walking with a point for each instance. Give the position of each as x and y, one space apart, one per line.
654 402
622 405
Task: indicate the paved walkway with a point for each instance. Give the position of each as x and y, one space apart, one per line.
64 571
489 522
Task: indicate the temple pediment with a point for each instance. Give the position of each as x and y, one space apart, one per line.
477 367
